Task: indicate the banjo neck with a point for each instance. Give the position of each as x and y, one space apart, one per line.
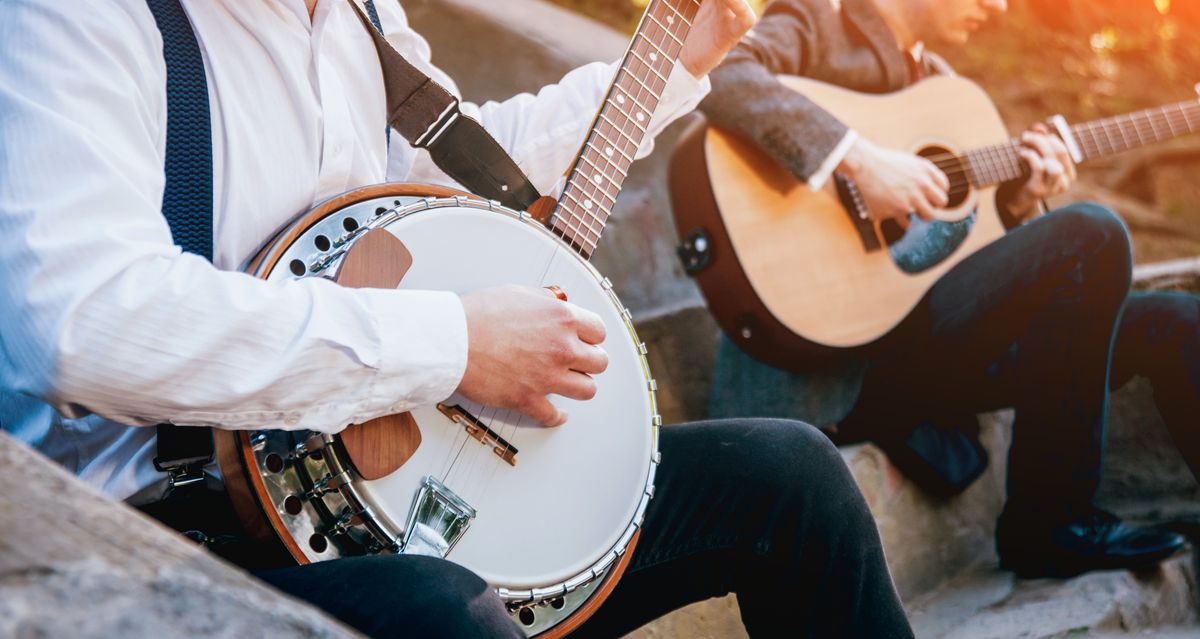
991 165
611 145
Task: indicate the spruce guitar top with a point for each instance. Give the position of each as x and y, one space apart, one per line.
794 275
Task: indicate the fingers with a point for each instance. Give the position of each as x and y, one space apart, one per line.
575 385
592 360
1037 172
588 325
543 412
933 192
1058 168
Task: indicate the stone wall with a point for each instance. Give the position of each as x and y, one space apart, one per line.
75 564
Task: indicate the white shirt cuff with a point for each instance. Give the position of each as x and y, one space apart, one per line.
817 180
423 350
681 96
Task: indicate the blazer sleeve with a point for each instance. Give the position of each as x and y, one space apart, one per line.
748 100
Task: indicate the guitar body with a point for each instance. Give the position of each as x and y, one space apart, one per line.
548 516
791 274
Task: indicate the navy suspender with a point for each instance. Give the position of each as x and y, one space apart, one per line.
187 202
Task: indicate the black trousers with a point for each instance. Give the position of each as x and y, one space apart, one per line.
1159 338
1027 322
762 508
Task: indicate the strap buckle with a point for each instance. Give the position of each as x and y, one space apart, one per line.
439 126
182 472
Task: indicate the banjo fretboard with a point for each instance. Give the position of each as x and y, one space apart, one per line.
621 124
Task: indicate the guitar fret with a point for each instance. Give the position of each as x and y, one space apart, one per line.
648 66
584 221
619 148
632 98
643 85
613 165
609 146
620 131
621 124
665 30
657 48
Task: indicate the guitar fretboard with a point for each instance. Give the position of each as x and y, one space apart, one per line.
621 124
1000 163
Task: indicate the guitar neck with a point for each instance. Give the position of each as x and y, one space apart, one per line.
988 166
621 124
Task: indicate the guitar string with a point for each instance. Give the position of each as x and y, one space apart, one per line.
1093 146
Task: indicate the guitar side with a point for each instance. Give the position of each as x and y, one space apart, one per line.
800 251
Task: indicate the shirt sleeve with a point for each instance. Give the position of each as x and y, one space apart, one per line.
102 313
749 100
543 132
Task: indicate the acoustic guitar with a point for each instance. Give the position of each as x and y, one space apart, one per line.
795 276
549 517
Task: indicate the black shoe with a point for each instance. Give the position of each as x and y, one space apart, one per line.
1101 541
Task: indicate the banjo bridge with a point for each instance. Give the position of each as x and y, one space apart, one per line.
481 432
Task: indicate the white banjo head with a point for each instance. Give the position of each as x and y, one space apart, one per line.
554 507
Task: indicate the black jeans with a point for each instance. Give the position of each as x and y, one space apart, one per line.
1159 338
1027 322
763 508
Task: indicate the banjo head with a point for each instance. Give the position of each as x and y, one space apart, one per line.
542 514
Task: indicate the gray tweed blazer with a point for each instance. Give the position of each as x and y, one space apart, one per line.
850 46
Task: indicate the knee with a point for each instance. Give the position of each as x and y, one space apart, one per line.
1099 232
451 600
795 458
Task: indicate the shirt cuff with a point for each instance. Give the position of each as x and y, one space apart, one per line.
423 350
817 180
680 96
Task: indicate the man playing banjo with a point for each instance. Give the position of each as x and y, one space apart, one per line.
108 328
1028 321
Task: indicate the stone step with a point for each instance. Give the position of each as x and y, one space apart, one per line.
986 603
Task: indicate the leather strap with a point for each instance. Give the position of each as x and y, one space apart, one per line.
427 115
187 202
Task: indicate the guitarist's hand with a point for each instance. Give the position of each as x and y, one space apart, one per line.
1051 171
716 28
894 184
524 344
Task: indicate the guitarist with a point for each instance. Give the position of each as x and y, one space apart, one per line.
1027 322
106 327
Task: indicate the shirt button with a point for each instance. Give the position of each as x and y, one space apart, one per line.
292 419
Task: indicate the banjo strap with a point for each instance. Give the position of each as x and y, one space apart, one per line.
421 110
428 116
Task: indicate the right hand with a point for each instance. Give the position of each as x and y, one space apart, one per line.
524 344
894 184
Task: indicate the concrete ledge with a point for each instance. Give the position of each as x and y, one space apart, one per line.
989 604
1174 275
75 564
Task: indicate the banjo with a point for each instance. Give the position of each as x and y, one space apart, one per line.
549 517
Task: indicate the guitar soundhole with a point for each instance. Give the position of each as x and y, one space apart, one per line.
952 165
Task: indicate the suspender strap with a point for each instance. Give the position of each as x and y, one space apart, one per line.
187 202
427 115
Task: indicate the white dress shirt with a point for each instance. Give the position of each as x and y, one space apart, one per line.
104 323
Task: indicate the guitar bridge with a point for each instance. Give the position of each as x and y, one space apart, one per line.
481 432
856 210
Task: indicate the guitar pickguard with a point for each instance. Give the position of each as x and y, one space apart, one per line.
927 244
